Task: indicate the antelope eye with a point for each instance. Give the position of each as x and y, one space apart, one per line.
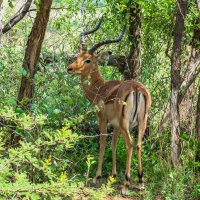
87 61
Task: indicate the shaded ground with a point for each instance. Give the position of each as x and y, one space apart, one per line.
133 194
119 197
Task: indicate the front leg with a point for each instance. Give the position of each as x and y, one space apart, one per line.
103 135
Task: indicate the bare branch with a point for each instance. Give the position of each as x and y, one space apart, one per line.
186 85
162 123
189 82
56 8
17 17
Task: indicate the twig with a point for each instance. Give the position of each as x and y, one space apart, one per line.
56 8
17 17
10 129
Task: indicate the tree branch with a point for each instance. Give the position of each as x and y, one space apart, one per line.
119 62
181 96
17 17
186 85
55 8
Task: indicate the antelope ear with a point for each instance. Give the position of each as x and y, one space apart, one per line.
104 56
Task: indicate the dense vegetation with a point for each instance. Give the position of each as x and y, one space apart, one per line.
56 155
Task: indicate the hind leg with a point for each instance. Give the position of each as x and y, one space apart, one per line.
141 131
114 144
129 149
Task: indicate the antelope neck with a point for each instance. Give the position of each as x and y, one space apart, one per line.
92 84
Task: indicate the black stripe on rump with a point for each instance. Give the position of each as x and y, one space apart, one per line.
124 105
136 103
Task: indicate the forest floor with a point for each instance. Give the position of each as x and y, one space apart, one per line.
119 197
133 193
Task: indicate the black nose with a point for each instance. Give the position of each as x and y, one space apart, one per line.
69 69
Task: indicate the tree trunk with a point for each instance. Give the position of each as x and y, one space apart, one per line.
134 57
197 127
1 25
32 53
198 4
31 58
176 81
196 44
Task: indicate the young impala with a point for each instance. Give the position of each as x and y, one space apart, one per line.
124 104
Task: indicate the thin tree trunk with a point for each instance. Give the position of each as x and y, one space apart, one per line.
197 128
192 74
134 57
32 53
198 4
196 44
1 25
176 81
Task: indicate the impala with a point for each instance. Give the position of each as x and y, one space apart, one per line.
124 104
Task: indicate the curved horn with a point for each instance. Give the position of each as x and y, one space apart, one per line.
99 44
84 48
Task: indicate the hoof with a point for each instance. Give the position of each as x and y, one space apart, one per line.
124 190
141 186
125 187
114 175
94 180
97 181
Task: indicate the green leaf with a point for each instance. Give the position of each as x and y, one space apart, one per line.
10 3
24 72
12 101
69 101
57 111
37 4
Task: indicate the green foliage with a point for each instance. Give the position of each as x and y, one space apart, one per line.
57 158
37 168
10 3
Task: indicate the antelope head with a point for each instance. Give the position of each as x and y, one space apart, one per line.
87 59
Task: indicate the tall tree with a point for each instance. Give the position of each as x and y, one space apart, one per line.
197 127
31 58
196 41
32 52
1 2
134 57
135 25
176 81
